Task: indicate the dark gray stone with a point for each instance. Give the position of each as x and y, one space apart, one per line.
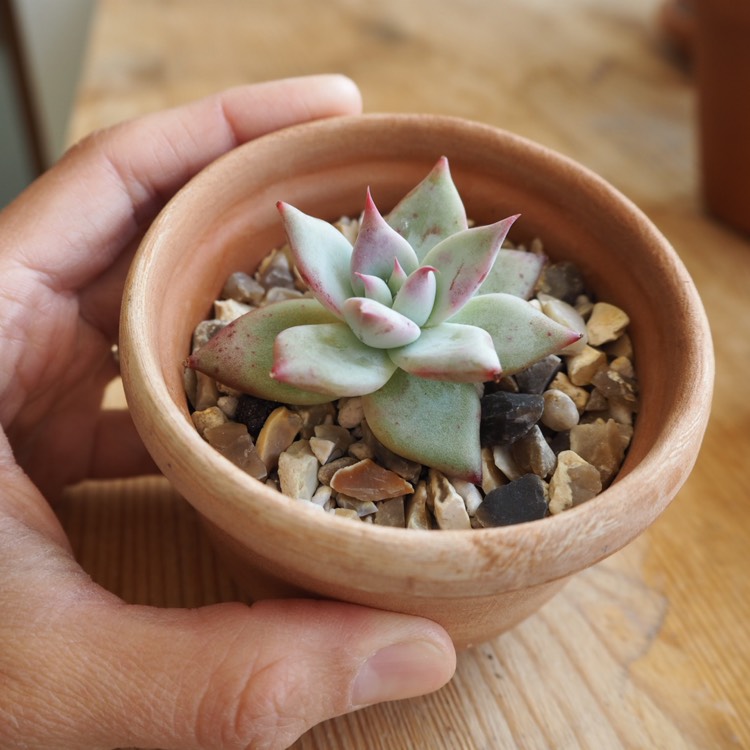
507 417
535 378
562 280
519 501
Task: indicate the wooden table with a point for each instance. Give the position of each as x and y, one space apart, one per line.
649 649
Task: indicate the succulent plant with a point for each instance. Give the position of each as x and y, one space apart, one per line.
413 317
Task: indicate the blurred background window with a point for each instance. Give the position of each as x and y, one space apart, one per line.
41 50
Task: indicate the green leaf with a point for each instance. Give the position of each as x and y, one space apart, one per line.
450 351
397 278
521 334
377 247
464 260
430 422
430 212
515 272
329 359
416 297
377 325
375 288
322 256
241 355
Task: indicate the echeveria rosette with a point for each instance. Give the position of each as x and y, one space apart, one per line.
411 317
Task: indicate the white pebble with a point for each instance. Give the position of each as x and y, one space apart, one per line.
560 412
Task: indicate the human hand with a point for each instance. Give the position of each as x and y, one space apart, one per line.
78 667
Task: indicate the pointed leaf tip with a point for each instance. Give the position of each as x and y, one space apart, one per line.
375 288
377 247
465 259
322 255
416 297
430 212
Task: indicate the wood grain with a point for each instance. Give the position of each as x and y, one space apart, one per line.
647 649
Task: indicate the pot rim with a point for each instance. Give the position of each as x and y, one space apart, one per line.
482 556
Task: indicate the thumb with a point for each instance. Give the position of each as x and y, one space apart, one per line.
231 676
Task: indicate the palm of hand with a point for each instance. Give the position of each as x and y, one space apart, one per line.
56 373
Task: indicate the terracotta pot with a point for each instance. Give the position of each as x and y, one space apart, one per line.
476 583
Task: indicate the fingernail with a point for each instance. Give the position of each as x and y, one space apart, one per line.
402 670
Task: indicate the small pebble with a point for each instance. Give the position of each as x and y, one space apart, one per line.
583 305
274 271
536 377
578 395
606 323
585 364
417 514
573 482
228 310
560 412
228 405
613 385
204 419
491 476
533 454
361 450
504 461
622 347
226 390
234 443
447 505
622 410
206 392
322 496
362 507
339 436
469 492
190 383
521 500
326 472
391 513
243 288
623 366
597 401
298 471
312 416
562 280
366 480
506 417
601 444
351 412
205 330
324 449
348 227
276 435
